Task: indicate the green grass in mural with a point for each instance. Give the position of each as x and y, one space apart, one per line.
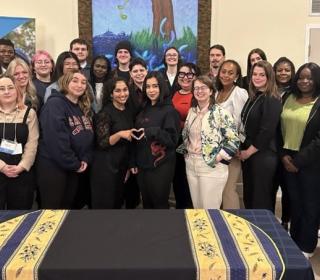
145 39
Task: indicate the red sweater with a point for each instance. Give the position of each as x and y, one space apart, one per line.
182 103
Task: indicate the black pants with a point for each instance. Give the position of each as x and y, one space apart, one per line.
285 201
304 194
155 185
107 187
132 192
180 184
57 187
258 180
17 193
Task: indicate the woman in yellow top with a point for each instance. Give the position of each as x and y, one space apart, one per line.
300 126
19 134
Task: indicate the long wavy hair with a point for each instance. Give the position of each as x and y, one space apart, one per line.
84 100
31 92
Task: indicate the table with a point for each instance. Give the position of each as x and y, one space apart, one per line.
142 244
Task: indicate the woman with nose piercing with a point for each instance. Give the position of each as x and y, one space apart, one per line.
232 98
300 153
113 130
21 73
258 151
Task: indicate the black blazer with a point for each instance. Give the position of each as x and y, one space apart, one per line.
260 117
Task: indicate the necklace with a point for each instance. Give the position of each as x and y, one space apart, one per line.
223 97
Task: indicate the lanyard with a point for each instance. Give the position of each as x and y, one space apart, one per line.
246 119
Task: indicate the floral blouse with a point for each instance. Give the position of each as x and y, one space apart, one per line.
218 135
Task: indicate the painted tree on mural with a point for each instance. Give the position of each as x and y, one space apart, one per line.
163 20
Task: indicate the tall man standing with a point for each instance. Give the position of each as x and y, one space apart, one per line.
217 55
80 48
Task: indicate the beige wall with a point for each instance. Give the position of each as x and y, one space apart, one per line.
277 27
56 21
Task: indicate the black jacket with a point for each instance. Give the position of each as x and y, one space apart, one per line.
261 116
309 152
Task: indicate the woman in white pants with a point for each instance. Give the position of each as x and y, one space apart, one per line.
210 140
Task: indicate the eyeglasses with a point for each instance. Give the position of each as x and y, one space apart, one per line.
202 88
189 75
39 62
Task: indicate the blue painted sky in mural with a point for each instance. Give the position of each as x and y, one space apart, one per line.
138 14
10 23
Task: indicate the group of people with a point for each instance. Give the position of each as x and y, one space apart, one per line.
89 134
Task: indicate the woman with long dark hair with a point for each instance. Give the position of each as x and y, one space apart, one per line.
157 133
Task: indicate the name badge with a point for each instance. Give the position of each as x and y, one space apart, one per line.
7 146
18 149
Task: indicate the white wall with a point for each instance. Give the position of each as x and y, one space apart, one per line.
56 21
277 27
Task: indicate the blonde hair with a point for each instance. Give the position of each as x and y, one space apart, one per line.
19 99
31 92
84 100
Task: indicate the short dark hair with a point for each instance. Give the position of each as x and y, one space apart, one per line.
238 82
6 42
315 73
284 59
163 87
137 61
191 66
218 47
79 41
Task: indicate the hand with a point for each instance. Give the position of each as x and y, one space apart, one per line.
17 169
218 158
134 170
137 134
126 178
9 171
126 134
287 162
83 167
244 154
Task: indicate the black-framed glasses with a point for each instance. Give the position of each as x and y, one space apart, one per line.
189 75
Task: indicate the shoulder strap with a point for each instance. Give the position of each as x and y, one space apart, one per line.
26 115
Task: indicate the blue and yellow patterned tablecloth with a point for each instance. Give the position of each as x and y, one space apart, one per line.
153 245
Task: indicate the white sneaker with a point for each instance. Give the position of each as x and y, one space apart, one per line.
308 255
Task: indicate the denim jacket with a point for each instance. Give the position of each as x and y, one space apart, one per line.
218 135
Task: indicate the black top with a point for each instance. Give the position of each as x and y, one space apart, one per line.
66 134
135 101
106 123
175 86
161 124
118 73
12 130
41 90
260 117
